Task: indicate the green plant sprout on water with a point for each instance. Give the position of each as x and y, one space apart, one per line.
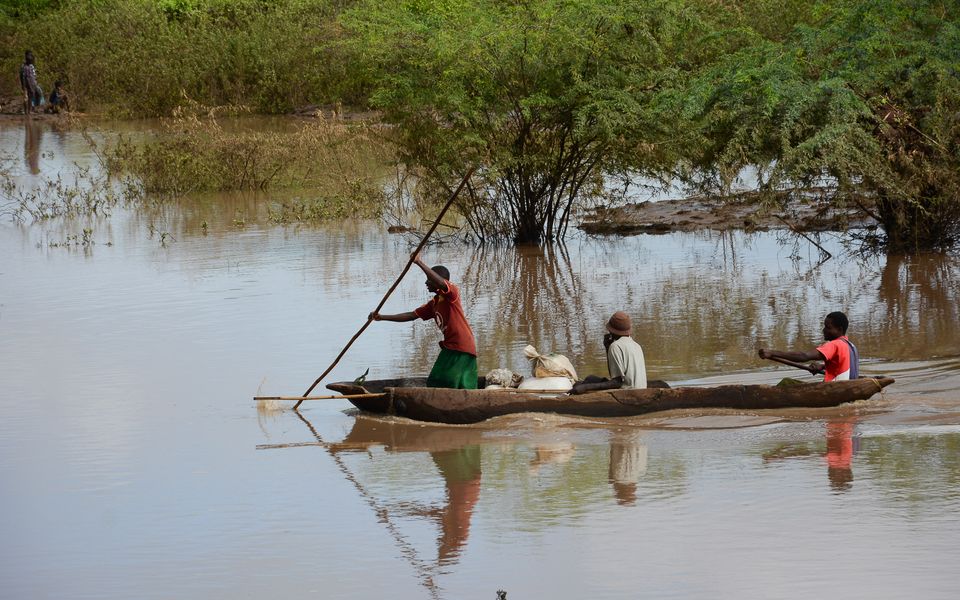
362 378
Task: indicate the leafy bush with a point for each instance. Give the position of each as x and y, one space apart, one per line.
867 96
546 96
141 57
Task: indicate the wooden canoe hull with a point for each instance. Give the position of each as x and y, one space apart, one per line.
440 405
375 405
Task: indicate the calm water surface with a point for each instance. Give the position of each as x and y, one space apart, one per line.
133 462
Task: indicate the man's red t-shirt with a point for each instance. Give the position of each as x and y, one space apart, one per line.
446 310
836 354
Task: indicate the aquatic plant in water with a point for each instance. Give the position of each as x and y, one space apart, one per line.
86 195
336 164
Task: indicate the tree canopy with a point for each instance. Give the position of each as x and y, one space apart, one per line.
550 97
867 95
546 96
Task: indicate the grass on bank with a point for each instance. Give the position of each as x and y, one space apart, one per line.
335 165
137 58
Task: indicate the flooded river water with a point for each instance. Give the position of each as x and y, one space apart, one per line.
134 463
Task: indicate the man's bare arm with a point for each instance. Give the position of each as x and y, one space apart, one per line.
399 318
797 357
438 281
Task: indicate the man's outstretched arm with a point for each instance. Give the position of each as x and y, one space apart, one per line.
797 357
399 318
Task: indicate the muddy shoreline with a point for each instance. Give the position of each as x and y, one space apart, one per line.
11 109
809 211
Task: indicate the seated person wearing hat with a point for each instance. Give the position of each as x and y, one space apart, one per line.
624 359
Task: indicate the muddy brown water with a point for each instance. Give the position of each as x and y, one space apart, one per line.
133 462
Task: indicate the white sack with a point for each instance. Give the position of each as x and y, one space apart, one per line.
550 365
559 384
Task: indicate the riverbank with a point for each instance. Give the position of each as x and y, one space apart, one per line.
746 212
11 109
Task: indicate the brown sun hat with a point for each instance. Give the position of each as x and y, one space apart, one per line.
619 324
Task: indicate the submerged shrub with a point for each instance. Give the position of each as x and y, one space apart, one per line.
357 200
335 164
87 194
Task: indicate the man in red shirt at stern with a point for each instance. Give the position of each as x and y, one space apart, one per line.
841 361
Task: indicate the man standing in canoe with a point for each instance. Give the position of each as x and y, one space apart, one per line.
841 361
456 367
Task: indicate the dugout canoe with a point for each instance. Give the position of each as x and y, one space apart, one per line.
410 398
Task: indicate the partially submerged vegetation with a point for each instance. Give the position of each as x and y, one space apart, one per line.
358 200
313 170
549 96
84 195
334 165
863 94
556 103
200 153
545 97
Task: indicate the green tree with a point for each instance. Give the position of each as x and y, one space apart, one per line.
547 96
865 95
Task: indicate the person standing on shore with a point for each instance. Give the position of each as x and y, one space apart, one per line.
456 367
32 94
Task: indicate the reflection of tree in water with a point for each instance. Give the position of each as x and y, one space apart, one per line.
920 296
705 311
920 471
514 296
707 324
542 300
711 311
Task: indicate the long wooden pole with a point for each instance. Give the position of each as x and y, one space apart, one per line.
383 301
302 398
790 363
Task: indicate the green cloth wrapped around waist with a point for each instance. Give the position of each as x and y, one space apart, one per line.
457 370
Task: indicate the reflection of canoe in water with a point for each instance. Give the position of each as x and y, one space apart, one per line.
404 436
408 398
